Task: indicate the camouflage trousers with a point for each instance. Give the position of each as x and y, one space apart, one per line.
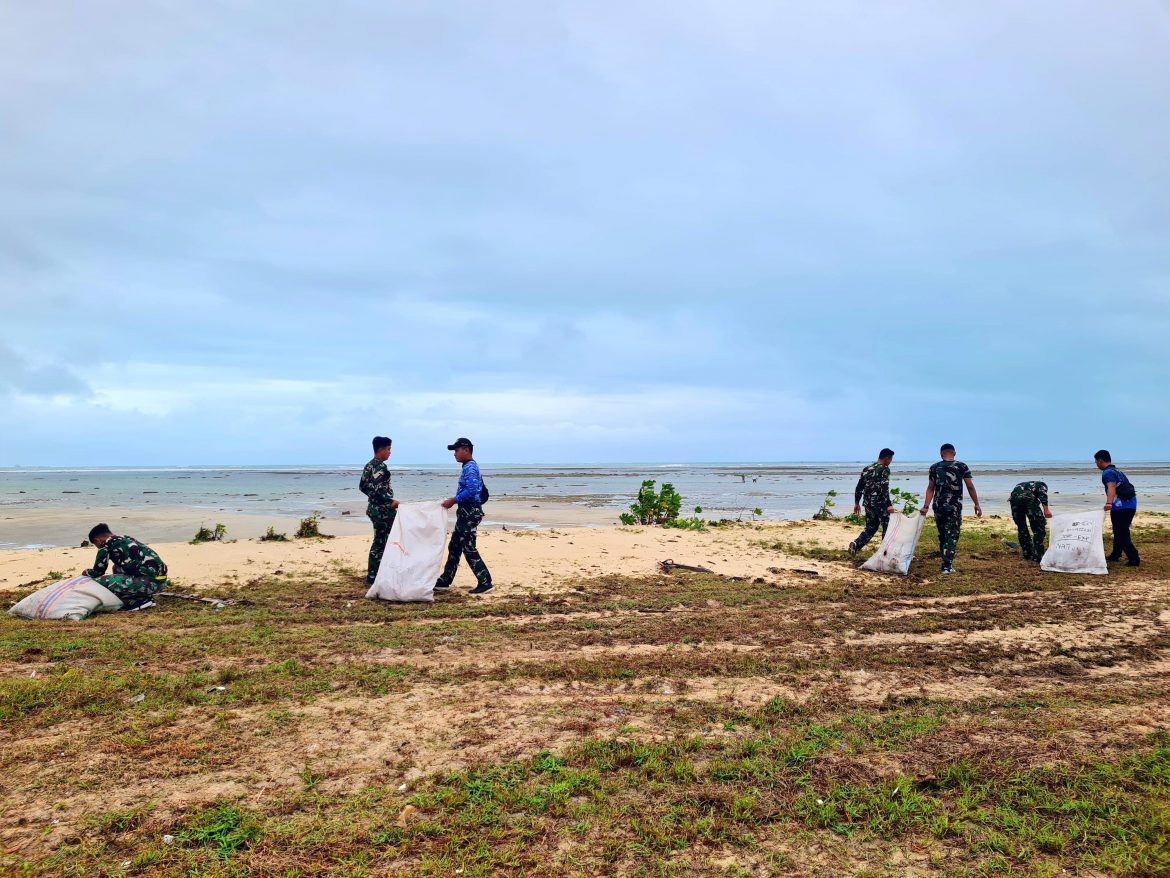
463 543
382 517
1025 513
133 590
875 517
949 521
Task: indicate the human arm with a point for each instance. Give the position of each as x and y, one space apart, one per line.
857 492
100 563
470 484
1042 496
929 493
1110 494
974 497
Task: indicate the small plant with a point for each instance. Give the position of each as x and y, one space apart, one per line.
653 507
205 535
227 829
310 527
273 537
908 500
56 574
310 780
825 513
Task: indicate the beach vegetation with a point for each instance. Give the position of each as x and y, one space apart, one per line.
653 506
55 575
209 535
825 513
271 536
310 527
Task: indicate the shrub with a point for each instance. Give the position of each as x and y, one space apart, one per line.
310 527
204 535
273 537
825 513
653 507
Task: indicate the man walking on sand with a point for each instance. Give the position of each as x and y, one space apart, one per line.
375 484
945 487
1029 505
873 491
470 496
1121 504
139 573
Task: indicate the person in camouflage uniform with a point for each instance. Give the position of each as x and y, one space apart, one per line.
873 491
1029 505
139 573
375 484
945 488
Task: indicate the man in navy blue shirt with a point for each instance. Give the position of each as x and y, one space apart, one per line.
469 496
1121 504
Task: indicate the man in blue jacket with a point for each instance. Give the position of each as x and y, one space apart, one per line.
1121 504
469 496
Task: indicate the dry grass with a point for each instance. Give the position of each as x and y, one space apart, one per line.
996 721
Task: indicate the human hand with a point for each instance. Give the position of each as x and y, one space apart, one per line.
978 511
448 503
394 505
1108 506
922 511
1048 513
856 508
891 510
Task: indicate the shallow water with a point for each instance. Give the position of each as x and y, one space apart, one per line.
784 490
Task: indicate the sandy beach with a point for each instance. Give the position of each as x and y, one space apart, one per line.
520 559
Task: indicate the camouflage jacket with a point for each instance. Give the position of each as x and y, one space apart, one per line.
1030 492
375 483
130 557
947 477
873 487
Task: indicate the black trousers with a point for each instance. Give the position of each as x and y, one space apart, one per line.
1122 542
463 544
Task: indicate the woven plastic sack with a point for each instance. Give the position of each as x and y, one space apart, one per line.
71 599
1076 544
897 548
414 553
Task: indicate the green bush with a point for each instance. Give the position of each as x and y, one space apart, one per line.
204 535
273 537
825 513
653 507
310 527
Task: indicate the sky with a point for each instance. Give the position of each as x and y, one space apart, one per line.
244 233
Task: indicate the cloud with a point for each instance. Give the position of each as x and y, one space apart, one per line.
17 376
855 220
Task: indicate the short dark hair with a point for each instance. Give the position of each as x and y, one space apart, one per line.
381 442
885 452
1103 455
98 530
946 447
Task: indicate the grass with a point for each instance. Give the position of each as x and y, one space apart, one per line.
674 725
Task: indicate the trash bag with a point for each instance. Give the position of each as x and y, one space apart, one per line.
71 599
1076 544
897 548
414 553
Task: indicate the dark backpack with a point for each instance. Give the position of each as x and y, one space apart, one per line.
1125 489
483 493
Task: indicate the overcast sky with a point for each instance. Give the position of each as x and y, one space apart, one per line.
248 232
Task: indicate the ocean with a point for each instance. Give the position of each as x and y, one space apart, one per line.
780 490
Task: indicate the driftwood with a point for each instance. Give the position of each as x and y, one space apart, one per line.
215 602
668 566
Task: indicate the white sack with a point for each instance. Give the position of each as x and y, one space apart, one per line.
413 555
71 599
897 548
1076 544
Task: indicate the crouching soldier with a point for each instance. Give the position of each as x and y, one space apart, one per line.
1029 503
139 573
873 491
